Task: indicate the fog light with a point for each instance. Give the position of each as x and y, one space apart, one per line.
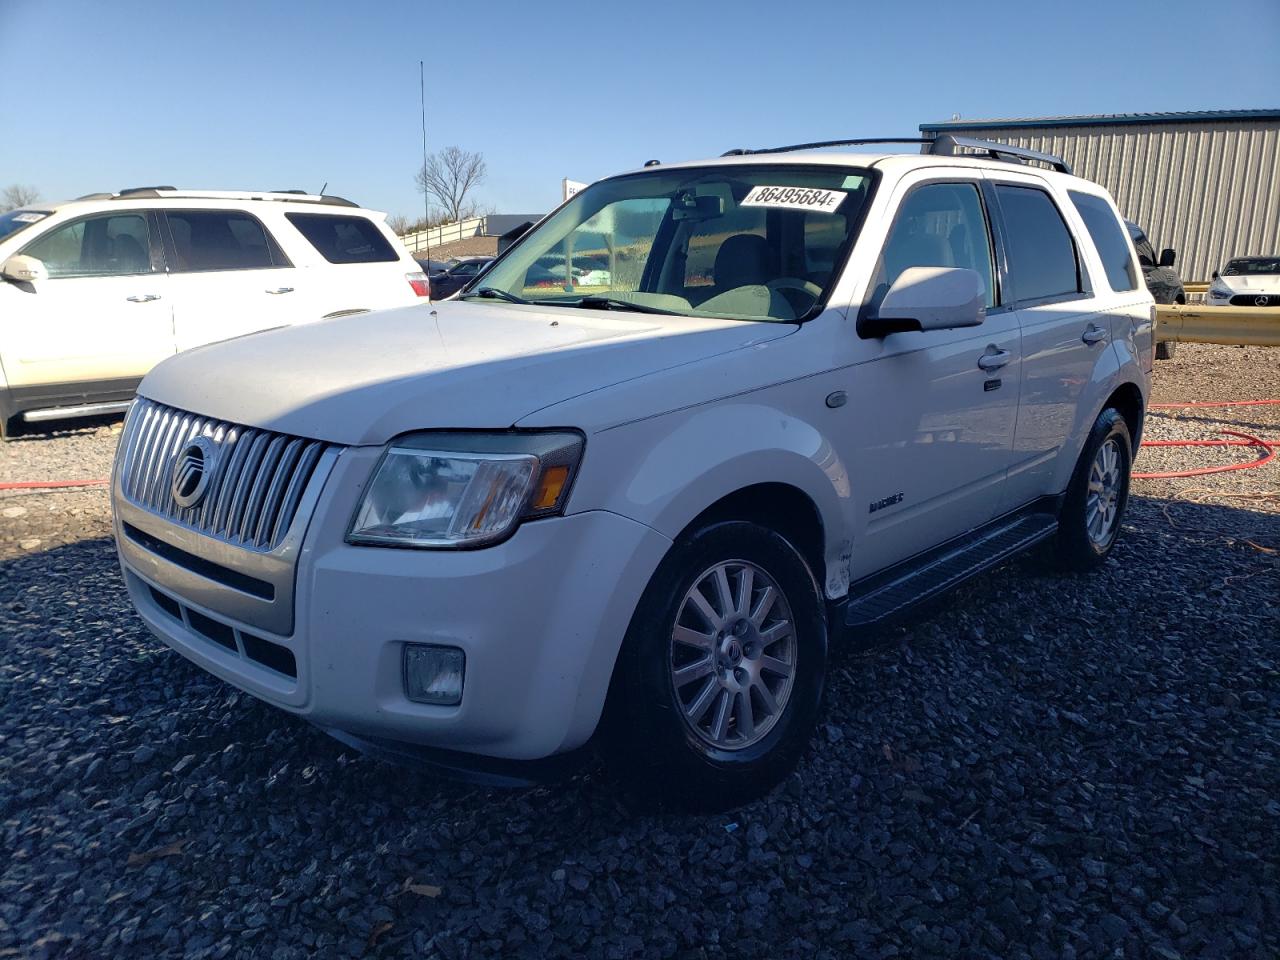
433 674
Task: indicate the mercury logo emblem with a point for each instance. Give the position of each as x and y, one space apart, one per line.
192 469
1261 301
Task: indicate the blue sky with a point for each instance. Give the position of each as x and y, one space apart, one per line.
104 94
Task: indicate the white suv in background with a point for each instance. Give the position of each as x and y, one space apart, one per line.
813 389
95 292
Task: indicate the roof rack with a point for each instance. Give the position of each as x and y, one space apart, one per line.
946 145
943 145
173 193
743 151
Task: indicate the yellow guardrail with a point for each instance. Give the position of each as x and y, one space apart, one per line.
1255 326
1196 287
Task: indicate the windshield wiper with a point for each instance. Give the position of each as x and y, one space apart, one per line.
493 293
615 303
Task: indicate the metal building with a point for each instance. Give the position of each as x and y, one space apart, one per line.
1205 183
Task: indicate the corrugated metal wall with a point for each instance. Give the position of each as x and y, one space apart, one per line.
1210 190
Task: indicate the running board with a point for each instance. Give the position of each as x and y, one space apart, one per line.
884 595
83 410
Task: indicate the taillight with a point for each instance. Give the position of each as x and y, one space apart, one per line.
421 285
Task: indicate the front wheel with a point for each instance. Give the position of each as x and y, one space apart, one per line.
1095 501
719 681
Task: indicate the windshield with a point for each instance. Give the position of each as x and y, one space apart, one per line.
1250 265
761 242
15 220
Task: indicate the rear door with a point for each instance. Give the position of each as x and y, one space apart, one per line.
229 277
1065 329
101 320
934 428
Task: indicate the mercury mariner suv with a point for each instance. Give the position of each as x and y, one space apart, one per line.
810 389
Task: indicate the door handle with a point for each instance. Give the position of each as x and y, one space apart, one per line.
143 297
1093 333
281 290
994 359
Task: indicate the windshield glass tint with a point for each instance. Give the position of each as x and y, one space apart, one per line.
745 242
15 220
1252 265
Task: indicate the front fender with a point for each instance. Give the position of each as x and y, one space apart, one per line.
666 470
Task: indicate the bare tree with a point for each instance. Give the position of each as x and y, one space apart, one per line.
399 224
18 195
449 176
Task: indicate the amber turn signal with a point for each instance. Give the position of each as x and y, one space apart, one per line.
550 487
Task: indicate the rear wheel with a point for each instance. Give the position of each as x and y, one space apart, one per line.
1097 496
720 678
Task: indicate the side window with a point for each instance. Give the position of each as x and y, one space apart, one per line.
221 240
344 239
110 245
938 225
1042 255
1108 236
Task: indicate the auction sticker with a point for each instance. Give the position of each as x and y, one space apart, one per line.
29 217
795 198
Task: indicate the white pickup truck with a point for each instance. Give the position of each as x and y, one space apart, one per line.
491 532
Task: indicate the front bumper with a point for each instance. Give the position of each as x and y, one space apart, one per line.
539 617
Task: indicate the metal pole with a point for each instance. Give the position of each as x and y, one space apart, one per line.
426 202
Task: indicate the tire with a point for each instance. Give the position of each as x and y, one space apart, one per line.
685 740
1165 349
1101 481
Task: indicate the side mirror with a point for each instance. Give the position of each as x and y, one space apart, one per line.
1215 275
930 298
24 269
1167 256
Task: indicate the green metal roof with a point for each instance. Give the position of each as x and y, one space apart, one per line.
1187 116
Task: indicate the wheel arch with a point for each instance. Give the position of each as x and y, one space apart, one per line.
1128 400
780 507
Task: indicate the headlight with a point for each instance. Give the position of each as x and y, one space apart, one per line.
457 490
1221 291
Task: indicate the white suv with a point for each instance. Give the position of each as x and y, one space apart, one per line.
95 292
819 388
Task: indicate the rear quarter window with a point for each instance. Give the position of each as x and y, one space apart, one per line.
344 239
1108 236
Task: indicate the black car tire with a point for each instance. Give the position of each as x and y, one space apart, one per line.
1075 547
650 744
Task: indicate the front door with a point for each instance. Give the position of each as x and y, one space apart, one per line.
933 412
101 320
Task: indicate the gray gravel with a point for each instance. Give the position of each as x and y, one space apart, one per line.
1036 767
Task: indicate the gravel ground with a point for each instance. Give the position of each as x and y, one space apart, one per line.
1035 767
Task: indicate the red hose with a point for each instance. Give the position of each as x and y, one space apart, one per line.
1245 441
1212 403
51 484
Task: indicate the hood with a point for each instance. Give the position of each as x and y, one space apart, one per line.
1268 283
364 379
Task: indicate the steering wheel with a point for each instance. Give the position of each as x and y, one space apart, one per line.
795 283
783 284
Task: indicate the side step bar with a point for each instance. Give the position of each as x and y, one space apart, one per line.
83 410
884 595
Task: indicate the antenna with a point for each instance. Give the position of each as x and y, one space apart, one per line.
324 188
426 197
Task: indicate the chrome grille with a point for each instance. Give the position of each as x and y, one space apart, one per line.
258 480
